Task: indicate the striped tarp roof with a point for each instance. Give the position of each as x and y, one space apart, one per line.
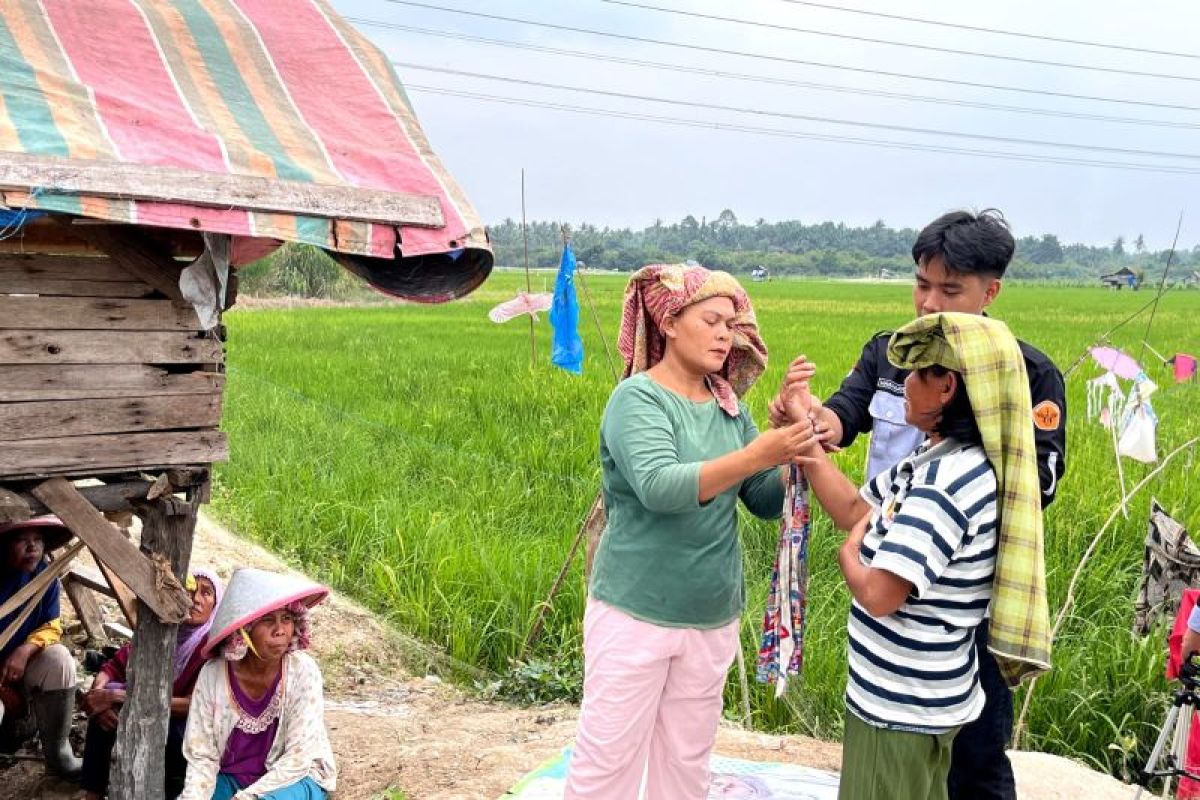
282 90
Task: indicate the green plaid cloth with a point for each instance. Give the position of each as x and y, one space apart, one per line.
988 357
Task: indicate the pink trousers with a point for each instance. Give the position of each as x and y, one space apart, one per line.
651 703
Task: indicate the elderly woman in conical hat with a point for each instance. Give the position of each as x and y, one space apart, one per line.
678 451
34 666
257 722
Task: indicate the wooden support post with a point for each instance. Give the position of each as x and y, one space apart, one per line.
137 770
86 608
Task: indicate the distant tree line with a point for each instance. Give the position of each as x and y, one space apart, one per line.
791 247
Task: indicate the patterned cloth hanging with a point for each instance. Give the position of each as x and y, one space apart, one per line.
781 653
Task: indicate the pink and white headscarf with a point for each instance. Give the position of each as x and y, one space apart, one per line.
659 291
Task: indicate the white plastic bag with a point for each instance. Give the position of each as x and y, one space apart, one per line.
1137 440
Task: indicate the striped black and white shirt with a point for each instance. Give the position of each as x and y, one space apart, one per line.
934 525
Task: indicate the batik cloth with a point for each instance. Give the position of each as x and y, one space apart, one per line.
781 652
660 291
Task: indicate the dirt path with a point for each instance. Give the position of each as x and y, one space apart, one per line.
391 730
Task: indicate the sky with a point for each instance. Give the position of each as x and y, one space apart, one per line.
629 172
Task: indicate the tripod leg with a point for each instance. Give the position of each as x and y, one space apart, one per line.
1166 731
1183 729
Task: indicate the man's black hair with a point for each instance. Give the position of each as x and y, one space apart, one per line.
958 416
971 244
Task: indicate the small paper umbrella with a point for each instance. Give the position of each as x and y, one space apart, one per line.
1116 362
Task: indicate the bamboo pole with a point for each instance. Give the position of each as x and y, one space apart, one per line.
528 280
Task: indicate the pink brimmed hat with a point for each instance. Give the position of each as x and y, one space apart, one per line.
54 533
252 593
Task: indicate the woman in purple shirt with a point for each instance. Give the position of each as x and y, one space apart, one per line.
257 727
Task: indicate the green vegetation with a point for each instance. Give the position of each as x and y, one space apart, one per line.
412 457
791 247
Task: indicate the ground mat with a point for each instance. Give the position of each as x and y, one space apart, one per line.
731 778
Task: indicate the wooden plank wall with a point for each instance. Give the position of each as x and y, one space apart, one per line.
101 373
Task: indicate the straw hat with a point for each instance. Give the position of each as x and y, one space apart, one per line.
54 533
252 593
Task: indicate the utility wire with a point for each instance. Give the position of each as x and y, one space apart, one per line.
998 31
894 43
769 79
1162 286
698 48
791 134
979 137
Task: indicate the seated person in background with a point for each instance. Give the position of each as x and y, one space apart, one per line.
34 668
103 702
257 724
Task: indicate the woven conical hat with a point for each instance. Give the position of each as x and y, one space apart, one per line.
251 593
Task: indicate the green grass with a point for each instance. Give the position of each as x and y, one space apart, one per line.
413 458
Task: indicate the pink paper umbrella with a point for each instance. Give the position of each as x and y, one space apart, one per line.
1116 362
523 303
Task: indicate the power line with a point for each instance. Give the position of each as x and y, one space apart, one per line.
997 31
698 48
983 137
894 43
768 79
790 134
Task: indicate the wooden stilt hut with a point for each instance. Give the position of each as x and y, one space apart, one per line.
147 149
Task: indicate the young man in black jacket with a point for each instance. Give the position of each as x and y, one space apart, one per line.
960 262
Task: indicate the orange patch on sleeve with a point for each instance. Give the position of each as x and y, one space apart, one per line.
1047 415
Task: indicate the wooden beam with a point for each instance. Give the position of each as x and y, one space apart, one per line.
190 187
13 507
25 267
54 287
106 347
111 453
117 631
137 255
96 313
93 581
138 766
55 418
169 602
86 608
126 599
80 382
109 497
47 236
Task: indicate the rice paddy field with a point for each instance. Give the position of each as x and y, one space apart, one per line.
412 457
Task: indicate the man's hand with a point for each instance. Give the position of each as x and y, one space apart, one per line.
826 425
799 373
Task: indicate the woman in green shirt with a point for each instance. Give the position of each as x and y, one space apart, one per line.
678 451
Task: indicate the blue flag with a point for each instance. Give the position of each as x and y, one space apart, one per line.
564 316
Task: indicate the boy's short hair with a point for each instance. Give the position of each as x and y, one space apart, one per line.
972 244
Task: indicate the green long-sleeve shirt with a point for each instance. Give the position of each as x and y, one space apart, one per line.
665 558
